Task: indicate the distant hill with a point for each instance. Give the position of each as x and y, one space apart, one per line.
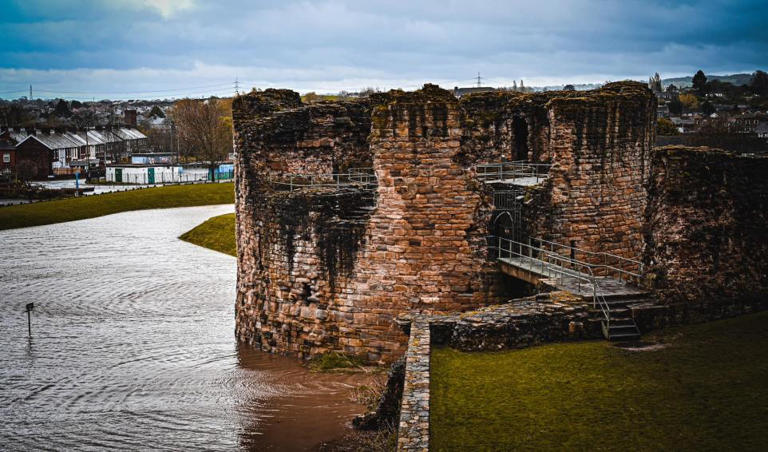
684 82
576 86
680 82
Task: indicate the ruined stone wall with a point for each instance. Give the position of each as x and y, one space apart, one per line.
595 196
425 247
504 125
296 247
598 143
323 270
707 230
417 243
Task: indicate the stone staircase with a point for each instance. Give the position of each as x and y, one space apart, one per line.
616 296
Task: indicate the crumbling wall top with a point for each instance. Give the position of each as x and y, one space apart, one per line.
268 101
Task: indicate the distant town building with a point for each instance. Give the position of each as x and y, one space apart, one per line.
62 151
128 173
130 118
36 156
662 111
458 92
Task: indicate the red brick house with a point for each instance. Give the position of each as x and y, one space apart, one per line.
34 156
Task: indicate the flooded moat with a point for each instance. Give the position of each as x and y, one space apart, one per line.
133 346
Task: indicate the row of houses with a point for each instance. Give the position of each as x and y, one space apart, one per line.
752 124
61 151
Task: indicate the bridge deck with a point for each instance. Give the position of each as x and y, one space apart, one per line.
534 271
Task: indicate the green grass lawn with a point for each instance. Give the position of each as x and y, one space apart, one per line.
95 206
707 389
217 233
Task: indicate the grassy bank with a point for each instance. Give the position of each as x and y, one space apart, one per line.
704 390
95 206
217 233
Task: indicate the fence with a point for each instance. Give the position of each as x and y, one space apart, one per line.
570 259
508 199
360 178
164 178
554 265
497 172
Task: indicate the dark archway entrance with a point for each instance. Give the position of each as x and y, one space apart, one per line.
506 226
520 131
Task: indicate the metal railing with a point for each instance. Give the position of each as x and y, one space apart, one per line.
555 265
605 264
360 178
491 172
507 199
168 178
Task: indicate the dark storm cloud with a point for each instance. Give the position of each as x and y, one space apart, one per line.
333 44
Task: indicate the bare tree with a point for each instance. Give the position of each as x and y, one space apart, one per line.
205 127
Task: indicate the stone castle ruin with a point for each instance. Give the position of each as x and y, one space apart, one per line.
352 213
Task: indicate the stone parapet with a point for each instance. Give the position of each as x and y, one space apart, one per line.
519 323
413 429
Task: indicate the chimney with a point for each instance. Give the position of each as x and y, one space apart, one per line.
130 118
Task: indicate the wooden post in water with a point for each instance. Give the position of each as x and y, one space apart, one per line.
30 307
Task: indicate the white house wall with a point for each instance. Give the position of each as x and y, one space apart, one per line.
140 175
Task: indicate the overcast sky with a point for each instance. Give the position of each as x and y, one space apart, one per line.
173 48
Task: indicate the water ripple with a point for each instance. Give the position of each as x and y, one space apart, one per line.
133 346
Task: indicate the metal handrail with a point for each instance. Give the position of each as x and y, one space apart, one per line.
358 179
511 170
621 271
597 297
507 199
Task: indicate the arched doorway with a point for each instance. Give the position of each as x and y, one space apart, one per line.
507 225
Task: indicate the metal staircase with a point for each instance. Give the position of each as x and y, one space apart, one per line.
608 281
617 323
607 284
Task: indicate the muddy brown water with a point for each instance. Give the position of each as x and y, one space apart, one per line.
133 347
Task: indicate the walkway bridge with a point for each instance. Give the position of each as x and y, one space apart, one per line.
358 178
520 173
610 282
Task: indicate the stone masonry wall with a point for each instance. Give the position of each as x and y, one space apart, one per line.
600 144
519 323
707 231
413 426
306 245
425 246
296 248
418 244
